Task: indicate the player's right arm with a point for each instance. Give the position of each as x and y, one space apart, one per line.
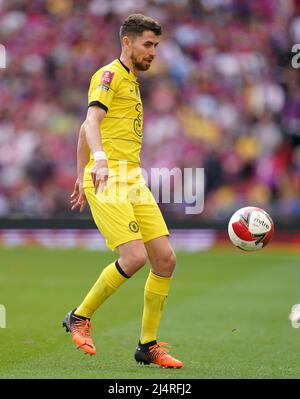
103 86
99 171
78 198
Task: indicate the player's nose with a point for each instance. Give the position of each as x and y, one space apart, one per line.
152 52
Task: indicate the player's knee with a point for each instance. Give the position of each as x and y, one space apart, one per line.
166 264
135 261
139 260
171 261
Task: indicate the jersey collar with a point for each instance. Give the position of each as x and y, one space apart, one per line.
132 75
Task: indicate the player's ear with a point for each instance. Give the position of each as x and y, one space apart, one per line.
126 41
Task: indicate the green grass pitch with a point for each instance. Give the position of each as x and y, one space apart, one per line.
225 317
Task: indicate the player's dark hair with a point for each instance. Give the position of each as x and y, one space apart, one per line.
135 24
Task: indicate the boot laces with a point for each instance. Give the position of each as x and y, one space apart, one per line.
83 327
157 350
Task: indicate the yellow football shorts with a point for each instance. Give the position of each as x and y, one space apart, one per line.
125 212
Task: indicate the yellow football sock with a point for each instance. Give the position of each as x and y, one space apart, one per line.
156 292
109 281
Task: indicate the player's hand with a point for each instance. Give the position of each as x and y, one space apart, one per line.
100 175
78 198
294 316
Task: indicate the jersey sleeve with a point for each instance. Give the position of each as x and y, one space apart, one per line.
102 88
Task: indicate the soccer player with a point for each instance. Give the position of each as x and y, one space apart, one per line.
109 177
294 315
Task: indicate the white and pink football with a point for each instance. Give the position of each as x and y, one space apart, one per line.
250 228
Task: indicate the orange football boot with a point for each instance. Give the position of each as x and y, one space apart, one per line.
80 327
154 352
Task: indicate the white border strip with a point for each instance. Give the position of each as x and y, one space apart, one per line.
182 239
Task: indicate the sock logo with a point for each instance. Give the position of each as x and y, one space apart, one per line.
134 227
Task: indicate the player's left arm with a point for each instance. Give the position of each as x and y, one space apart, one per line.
78 198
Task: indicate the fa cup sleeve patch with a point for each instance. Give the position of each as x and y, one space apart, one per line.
107 78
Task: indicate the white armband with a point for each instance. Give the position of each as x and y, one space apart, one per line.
99 155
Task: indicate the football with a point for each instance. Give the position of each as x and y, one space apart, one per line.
250 228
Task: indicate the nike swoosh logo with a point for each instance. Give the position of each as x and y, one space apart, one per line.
91 346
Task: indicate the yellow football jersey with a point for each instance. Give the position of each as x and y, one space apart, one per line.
115 89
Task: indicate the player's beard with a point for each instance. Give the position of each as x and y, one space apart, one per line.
140 66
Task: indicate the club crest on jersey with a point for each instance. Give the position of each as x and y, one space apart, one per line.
107 78
134 227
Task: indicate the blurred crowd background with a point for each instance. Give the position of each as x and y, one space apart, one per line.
221 95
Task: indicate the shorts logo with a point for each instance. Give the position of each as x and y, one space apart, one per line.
134 227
